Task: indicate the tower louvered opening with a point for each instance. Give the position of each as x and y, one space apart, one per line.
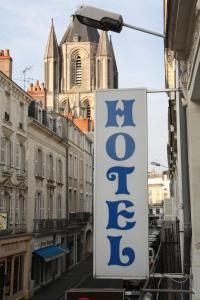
78 71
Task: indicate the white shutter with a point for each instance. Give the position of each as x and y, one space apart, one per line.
11 199
42 207
47 166
2 207
54 171
36 206
11 153
17 208
36 161
17 162
43 164
3 149
57 169
61 170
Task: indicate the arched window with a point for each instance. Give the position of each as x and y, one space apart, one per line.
86 110
78 71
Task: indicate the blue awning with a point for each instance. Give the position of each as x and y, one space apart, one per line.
49 253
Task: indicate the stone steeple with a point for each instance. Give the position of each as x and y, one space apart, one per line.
115 70
51 65
83 62
77 32
104 63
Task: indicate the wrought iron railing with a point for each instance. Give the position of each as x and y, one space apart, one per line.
79 217
49 225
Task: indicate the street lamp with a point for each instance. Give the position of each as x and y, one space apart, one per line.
105 20
154 163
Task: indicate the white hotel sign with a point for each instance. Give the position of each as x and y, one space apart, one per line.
121 211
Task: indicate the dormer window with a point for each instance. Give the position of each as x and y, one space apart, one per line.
75 38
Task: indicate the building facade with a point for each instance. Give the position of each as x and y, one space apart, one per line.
80 193
81 63
182 64
47 214
14 237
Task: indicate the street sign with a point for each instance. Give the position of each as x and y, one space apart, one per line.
120 206
94 294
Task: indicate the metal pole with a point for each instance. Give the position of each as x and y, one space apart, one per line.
167 291
144 30
163 90
169 275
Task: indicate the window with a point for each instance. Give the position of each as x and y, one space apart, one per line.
78 71
8 205
40 115
59 207
22 209
50 123
6 151
70 165
18 273
20 157
50 167
38 163
75 167
21 115
39 206
157 211
81 169
75 199
1 201
59 170
50 203
85 109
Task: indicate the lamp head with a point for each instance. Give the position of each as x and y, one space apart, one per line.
99 18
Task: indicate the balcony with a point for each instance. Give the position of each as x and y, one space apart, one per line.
49 225
79 217
14 229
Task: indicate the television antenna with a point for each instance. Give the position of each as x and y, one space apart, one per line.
24 73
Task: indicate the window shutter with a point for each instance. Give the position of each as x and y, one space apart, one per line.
57 169
47 166
3 149
42 207
36 162
43 164
2 207
36 206
17 208
54 171
61 171
11 153
17 163
11 200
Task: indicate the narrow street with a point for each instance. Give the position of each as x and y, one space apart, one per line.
79 276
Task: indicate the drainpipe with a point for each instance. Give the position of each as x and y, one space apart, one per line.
182 106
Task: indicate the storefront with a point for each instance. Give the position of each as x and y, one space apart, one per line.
48 255
14 267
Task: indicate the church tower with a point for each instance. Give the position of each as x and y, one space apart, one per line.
51 70
83 62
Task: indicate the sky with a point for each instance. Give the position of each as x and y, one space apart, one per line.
140 57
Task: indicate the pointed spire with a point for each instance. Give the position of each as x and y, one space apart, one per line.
104 47
82 32
113 55
52 44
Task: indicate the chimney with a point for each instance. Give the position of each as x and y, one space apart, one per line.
6 63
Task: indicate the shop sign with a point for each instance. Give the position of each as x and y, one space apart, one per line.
3 221
94 294
42 243
121 209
